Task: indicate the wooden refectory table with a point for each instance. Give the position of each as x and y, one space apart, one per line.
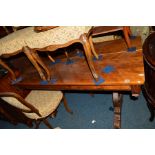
119 71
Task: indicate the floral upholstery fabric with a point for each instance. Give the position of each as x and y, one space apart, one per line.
28 37
45 101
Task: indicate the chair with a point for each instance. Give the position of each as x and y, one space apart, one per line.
37 105
30 42
101 30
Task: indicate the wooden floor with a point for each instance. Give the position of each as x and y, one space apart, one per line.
127 70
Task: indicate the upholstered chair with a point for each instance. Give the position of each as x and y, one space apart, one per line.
31 42
37 105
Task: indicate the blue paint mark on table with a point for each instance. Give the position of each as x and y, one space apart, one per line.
108 69
132 49
44 82
99 81
53 80
56 62
69 61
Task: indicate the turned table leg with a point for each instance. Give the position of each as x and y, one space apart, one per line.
117 102
135 90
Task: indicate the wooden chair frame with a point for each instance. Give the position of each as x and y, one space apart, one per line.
126 31
33 56
87 50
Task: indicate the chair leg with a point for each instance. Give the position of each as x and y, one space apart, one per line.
88 54
66 54
47 123
13 76
37 122
66 105
129 30
27 52
92 47
126 35
50 57
38 59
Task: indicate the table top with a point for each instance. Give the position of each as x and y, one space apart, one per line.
118 70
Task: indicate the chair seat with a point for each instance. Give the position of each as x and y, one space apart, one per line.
45 101
28 37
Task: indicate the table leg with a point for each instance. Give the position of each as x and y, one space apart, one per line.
135 90
117 102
